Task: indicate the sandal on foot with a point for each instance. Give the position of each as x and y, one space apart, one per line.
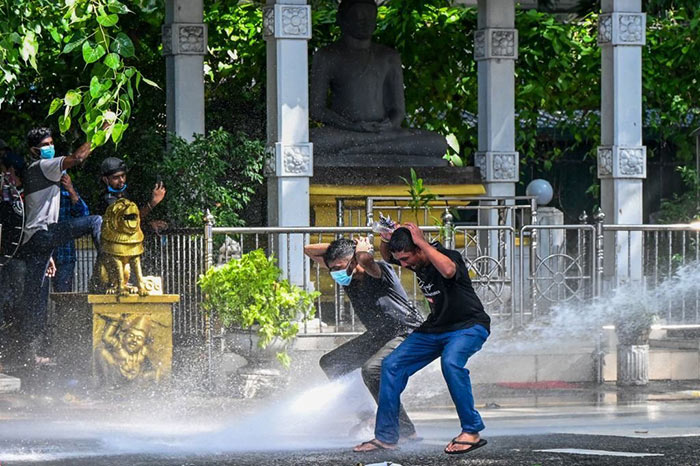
376 444
474 446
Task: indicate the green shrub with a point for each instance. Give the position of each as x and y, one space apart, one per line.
249 293
219 171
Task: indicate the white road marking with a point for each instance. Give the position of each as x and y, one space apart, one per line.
579 451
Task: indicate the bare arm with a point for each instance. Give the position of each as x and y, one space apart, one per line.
442 263
77 157
316 252
365 258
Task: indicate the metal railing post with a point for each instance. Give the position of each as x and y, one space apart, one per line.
448 228
533 257
208 263
598 219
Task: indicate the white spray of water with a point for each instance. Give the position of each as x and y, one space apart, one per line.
320 417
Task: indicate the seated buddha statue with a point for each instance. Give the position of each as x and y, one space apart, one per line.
357 94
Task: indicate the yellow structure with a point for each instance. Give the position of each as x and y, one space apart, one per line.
122 340
324 199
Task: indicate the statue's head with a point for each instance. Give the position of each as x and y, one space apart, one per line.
135 334
357 18
123 217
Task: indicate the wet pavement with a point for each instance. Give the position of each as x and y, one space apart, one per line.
575 425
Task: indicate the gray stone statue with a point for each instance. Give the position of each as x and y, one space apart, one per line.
357 93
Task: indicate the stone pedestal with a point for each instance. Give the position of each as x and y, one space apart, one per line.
632 365
119 340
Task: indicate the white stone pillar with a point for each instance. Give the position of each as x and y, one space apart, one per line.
621 156
287 29
184 47
495 50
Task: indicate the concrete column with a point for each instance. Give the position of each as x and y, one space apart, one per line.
184 47
621 156
287 29
495 50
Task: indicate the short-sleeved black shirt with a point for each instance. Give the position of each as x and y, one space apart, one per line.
453 303
382 304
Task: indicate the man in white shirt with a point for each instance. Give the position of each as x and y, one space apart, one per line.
43 232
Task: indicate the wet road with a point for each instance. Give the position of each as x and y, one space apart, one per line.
656 432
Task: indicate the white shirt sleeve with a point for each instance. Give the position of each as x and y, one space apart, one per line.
52 168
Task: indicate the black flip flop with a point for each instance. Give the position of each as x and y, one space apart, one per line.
374 443
474 446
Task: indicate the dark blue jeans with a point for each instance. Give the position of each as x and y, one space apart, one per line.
63 281
416 352
36 253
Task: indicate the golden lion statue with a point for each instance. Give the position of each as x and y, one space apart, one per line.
121 248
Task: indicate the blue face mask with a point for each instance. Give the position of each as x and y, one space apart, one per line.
341 277
117 191
47 152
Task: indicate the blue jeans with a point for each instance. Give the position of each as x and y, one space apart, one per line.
417 351
36 253
63 281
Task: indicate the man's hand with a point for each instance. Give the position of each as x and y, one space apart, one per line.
158 194
51 268
67 183
362 244
416 234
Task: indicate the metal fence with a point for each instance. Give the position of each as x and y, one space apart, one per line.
518 274
666 250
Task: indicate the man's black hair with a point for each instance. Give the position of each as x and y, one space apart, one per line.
401 241
346 4
339 249
36 135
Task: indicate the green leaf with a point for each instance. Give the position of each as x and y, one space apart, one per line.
55 35
72 98
123 46
30 45
453 142
151 83
108 20
112 61
98 139
92 54
73 45
64 123
95 87
55 105
118 132
117 7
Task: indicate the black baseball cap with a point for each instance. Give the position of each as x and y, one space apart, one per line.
112 165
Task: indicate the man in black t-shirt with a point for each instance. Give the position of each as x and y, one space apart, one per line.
456 329
379 302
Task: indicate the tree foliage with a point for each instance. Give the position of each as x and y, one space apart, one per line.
83 59
37 33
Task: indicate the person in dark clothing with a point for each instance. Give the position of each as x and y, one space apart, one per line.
455 330
72 206
42 231
379 302
113 172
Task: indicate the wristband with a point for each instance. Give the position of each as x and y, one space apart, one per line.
384 240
